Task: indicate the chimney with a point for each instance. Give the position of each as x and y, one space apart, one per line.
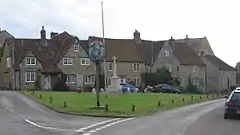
53 34
43 37
136 36
171 42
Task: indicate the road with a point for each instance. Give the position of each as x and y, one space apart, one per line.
20 115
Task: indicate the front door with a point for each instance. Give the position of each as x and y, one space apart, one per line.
47 82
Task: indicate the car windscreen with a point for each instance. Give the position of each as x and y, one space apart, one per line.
236 97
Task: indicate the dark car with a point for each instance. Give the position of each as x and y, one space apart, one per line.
165 88
232 105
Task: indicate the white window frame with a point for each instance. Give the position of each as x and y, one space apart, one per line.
136 67
166 53
8 62
195 81
31 61
137 81
67 61
71 78
30 76
85 61
76 47
89 79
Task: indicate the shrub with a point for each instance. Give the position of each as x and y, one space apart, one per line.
61 84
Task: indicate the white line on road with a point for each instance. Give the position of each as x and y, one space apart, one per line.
108 125
97 124
78 130
47 127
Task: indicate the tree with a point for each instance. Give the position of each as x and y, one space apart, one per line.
38 82
161 76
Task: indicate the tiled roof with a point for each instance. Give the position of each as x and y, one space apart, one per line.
48 56
218 62
185 54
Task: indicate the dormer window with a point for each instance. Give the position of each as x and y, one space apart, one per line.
76 47
31 61
166 53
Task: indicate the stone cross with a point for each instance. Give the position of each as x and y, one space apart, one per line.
114 66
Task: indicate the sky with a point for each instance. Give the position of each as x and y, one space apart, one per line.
218 20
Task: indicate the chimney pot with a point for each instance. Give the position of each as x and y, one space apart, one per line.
53 34
136 36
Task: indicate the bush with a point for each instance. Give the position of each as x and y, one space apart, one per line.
61 84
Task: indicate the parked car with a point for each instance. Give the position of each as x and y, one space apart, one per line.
232 104
165 88
128 88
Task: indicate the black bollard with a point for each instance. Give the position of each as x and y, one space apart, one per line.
159 103
183 100
106 108
133 108
40 96
65 104
173 101
192 97
50 99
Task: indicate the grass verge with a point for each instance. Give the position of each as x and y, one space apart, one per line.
119 105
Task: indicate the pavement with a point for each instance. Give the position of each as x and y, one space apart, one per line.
21 115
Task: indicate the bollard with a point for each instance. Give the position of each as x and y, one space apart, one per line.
200 97
173 101
159 103
183 99
50 99
212 96
106 108
33 92
65 104
192 97
207 96
133 108
40 96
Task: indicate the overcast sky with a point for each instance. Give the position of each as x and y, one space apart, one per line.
219 20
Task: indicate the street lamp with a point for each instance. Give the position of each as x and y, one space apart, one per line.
96 54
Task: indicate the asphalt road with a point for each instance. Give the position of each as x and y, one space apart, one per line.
201 119
20 115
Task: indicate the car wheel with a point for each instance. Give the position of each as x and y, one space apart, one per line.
226 116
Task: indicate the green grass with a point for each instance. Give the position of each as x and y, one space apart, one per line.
83 103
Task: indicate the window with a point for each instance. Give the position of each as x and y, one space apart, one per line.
110 66
195 82
85 61
8 62
195 69
76 47
135 67
166 53
67 61
89 79
30 76
136 80
31 61
71 78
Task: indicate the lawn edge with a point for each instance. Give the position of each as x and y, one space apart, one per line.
149 113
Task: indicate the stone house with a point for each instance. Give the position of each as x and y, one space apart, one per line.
220 76
45 60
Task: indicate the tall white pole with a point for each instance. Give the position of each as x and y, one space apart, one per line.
105 58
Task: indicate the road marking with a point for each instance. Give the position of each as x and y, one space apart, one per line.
107 125
97 124
78 130
47 127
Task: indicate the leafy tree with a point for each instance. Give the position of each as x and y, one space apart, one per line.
190 87
161 76
61 84
38 82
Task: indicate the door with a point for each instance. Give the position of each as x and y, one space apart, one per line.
47 82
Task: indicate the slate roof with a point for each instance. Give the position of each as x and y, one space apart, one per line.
185 54
48 56
218 62
124 49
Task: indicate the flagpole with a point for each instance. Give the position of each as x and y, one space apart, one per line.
105 58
